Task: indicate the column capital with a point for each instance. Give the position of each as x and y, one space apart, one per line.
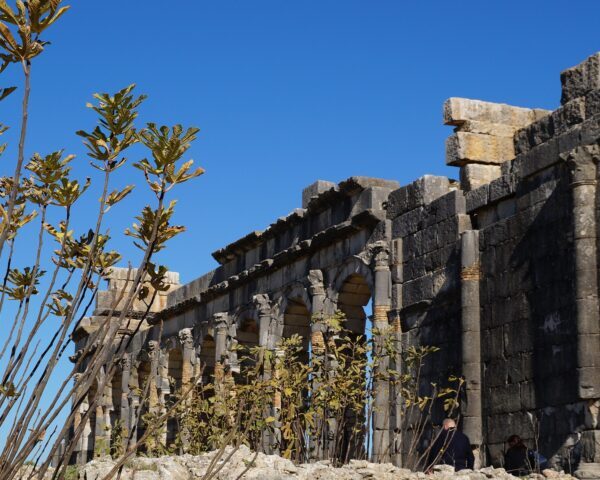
582 162
315 282
262 303
220 320
380 254
125 362
186 338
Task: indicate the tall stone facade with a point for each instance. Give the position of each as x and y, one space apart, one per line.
499 270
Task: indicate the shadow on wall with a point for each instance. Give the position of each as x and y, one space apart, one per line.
539 337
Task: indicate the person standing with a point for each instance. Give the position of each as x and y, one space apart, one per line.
451 447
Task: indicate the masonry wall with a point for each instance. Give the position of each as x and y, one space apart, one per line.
499 270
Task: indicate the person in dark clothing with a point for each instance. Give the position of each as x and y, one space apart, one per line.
515 458
451 447
519 460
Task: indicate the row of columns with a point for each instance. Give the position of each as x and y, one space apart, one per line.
156 361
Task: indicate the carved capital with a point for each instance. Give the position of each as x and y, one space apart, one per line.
262 302
376 254
186 338
582 162
220 320
380 252
315 282
125 362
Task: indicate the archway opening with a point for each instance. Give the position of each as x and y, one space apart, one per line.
175 365
207 359
296 320
247 337
144 380
354 301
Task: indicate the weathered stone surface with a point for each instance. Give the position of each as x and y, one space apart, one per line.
580 79
460 110
314 190
464 147
416 194
474 175
271 467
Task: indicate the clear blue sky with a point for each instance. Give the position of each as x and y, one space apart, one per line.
289 92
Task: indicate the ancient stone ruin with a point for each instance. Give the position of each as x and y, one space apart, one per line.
499 270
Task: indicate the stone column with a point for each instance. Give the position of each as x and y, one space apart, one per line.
81 447
221 325
396 402
262 303
164 389
153 379
149 391
134 404
471 336
316 289
583 161
186 338
382 300
124 407
583 164
266 327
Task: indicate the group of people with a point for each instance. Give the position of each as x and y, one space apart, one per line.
452 447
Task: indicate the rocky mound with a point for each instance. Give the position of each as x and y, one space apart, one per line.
272 467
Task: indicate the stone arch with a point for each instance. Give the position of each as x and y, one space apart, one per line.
353 266
353 290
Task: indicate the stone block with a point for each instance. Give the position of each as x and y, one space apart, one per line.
528 397
505 399
418 290
539 158
521 141
590 441
314 190
517 338
417 194
448 206
460 110
486 217
487 128
569 115
501 187
506 208
580 79
592 103
474 175
478 198
463 147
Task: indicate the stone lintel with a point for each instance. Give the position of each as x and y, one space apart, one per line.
457 111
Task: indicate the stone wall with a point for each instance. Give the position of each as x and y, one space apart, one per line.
499 270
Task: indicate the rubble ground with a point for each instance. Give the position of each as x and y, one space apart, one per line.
272 467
